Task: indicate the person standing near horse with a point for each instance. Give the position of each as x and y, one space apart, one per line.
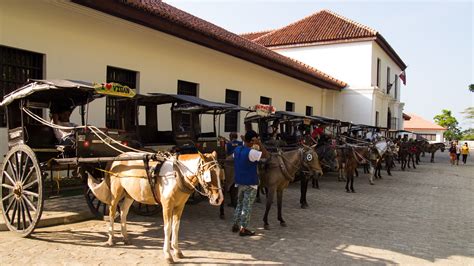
458 152
452 153
464 152
246 179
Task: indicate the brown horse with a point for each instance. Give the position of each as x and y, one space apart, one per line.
348 159
280 170
176 178
432 148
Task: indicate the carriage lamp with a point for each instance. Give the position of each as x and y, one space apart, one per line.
125 143
86 143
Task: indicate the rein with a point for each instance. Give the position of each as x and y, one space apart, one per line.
188 186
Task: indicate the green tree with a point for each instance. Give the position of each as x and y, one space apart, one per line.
446 120
471 87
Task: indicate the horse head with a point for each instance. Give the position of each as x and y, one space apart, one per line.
311 160
442 147
213 178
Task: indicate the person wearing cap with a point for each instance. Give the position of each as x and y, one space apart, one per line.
60 115
245 166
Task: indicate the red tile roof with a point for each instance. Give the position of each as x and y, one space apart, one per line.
166 18
325 27
254 35
419 123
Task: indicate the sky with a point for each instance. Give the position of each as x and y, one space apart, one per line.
434 38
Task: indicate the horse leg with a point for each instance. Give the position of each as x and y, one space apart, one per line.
304 190
268 206
125 207
177 213
112 211
233 195
352 183
348 180
388 164
371 174
167 224
280 205
432 157
221 210
356 172
257 198
413 162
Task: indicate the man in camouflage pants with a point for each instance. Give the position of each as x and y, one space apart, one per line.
246 179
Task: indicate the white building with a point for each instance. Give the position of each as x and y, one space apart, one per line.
351 52
424 128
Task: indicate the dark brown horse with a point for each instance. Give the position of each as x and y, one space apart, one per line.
432 148
280 170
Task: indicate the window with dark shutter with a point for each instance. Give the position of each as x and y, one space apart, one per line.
378 72
191 89
232 118
265 100
123 77
187 88
290 106
309 110
388 81
16 67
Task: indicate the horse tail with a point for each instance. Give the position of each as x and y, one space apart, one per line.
100 190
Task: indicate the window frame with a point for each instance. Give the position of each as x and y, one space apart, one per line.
232 118
118 75
292 104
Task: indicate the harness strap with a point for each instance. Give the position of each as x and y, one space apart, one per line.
150 178
283 167
181 181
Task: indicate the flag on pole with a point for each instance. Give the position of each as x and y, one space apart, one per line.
403 77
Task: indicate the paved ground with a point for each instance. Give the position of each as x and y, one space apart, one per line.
417 217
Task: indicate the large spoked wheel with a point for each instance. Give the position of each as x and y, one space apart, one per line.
21 189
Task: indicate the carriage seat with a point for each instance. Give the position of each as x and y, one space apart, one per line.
40 136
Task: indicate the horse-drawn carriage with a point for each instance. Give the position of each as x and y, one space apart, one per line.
34 150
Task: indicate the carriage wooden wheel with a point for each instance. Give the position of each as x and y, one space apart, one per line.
21 190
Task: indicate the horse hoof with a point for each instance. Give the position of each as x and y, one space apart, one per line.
266 227
127 242
222 216
169 260
304 206
372 183
353 191
110 243
283 224
179 255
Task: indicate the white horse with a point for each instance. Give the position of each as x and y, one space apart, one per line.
176 180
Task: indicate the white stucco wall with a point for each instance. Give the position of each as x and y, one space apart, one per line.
350 62
79 43
439 133
356 64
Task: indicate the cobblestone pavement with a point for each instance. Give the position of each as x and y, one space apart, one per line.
420 216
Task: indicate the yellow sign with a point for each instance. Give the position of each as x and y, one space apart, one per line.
307 121
115 89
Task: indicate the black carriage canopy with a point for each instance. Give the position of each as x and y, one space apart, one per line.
72 92
188 103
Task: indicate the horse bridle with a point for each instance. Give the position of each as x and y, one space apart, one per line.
203 167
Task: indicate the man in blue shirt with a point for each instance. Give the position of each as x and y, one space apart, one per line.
232 144
246 179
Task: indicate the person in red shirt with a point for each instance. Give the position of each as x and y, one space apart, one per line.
317 132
